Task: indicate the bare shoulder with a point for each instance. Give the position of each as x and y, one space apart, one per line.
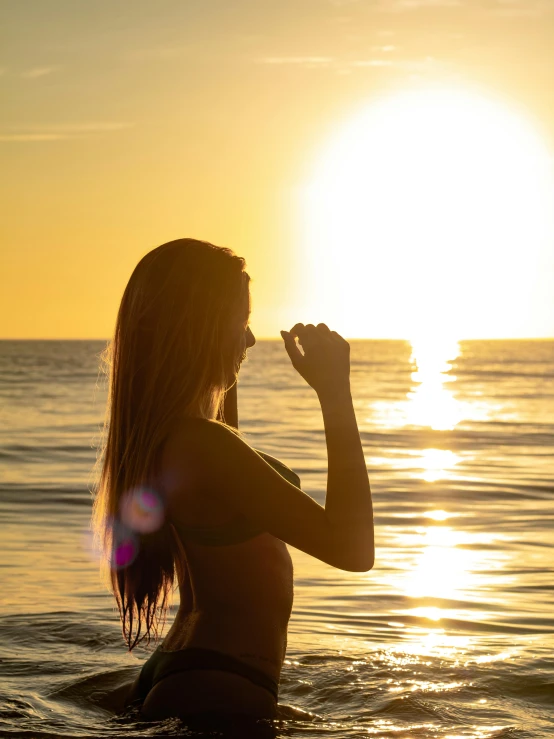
195 439
196 454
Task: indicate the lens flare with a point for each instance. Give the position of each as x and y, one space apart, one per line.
125 553
125 546
142 510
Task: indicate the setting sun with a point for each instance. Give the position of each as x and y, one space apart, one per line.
429 215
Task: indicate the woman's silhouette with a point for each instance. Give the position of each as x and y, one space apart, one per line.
182 493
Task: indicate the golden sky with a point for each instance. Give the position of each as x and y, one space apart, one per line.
127 124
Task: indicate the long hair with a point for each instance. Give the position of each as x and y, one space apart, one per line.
174 353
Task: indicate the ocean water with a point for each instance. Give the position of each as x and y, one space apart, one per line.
450 635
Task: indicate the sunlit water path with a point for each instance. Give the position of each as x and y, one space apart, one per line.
452 633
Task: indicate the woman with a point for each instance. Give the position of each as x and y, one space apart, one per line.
181 491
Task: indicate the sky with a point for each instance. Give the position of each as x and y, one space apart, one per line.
128 124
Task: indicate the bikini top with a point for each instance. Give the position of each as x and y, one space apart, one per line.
238 530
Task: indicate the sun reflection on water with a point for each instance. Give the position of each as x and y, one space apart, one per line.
449 568
443 569
436 463
430 403
437 643
439 515
430 465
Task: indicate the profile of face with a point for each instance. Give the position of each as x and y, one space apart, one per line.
247 340
243 337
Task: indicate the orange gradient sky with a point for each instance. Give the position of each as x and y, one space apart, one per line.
253 124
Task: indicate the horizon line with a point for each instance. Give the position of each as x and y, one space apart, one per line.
279 338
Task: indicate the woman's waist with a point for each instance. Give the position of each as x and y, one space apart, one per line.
262 645
256 601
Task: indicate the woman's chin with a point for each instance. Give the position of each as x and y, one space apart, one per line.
232 377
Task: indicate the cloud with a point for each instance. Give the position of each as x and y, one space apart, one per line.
371 63
59 132
31 137
412 66
87 127
303 61
400 6
507 8
347 66
520 8
34 72
157 53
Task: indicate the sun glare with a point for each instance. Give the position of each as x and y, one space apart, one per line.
430 403
429 216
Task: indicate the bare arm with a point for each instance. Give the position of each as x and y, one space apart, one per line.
325 365
348 502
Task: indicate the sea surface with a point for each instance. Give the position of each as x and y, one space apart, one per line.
450 635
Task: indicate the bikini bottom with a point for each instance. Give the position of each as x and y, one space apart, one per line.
161 664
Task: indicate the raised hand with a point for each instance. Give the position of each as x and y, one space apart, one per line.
325 363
